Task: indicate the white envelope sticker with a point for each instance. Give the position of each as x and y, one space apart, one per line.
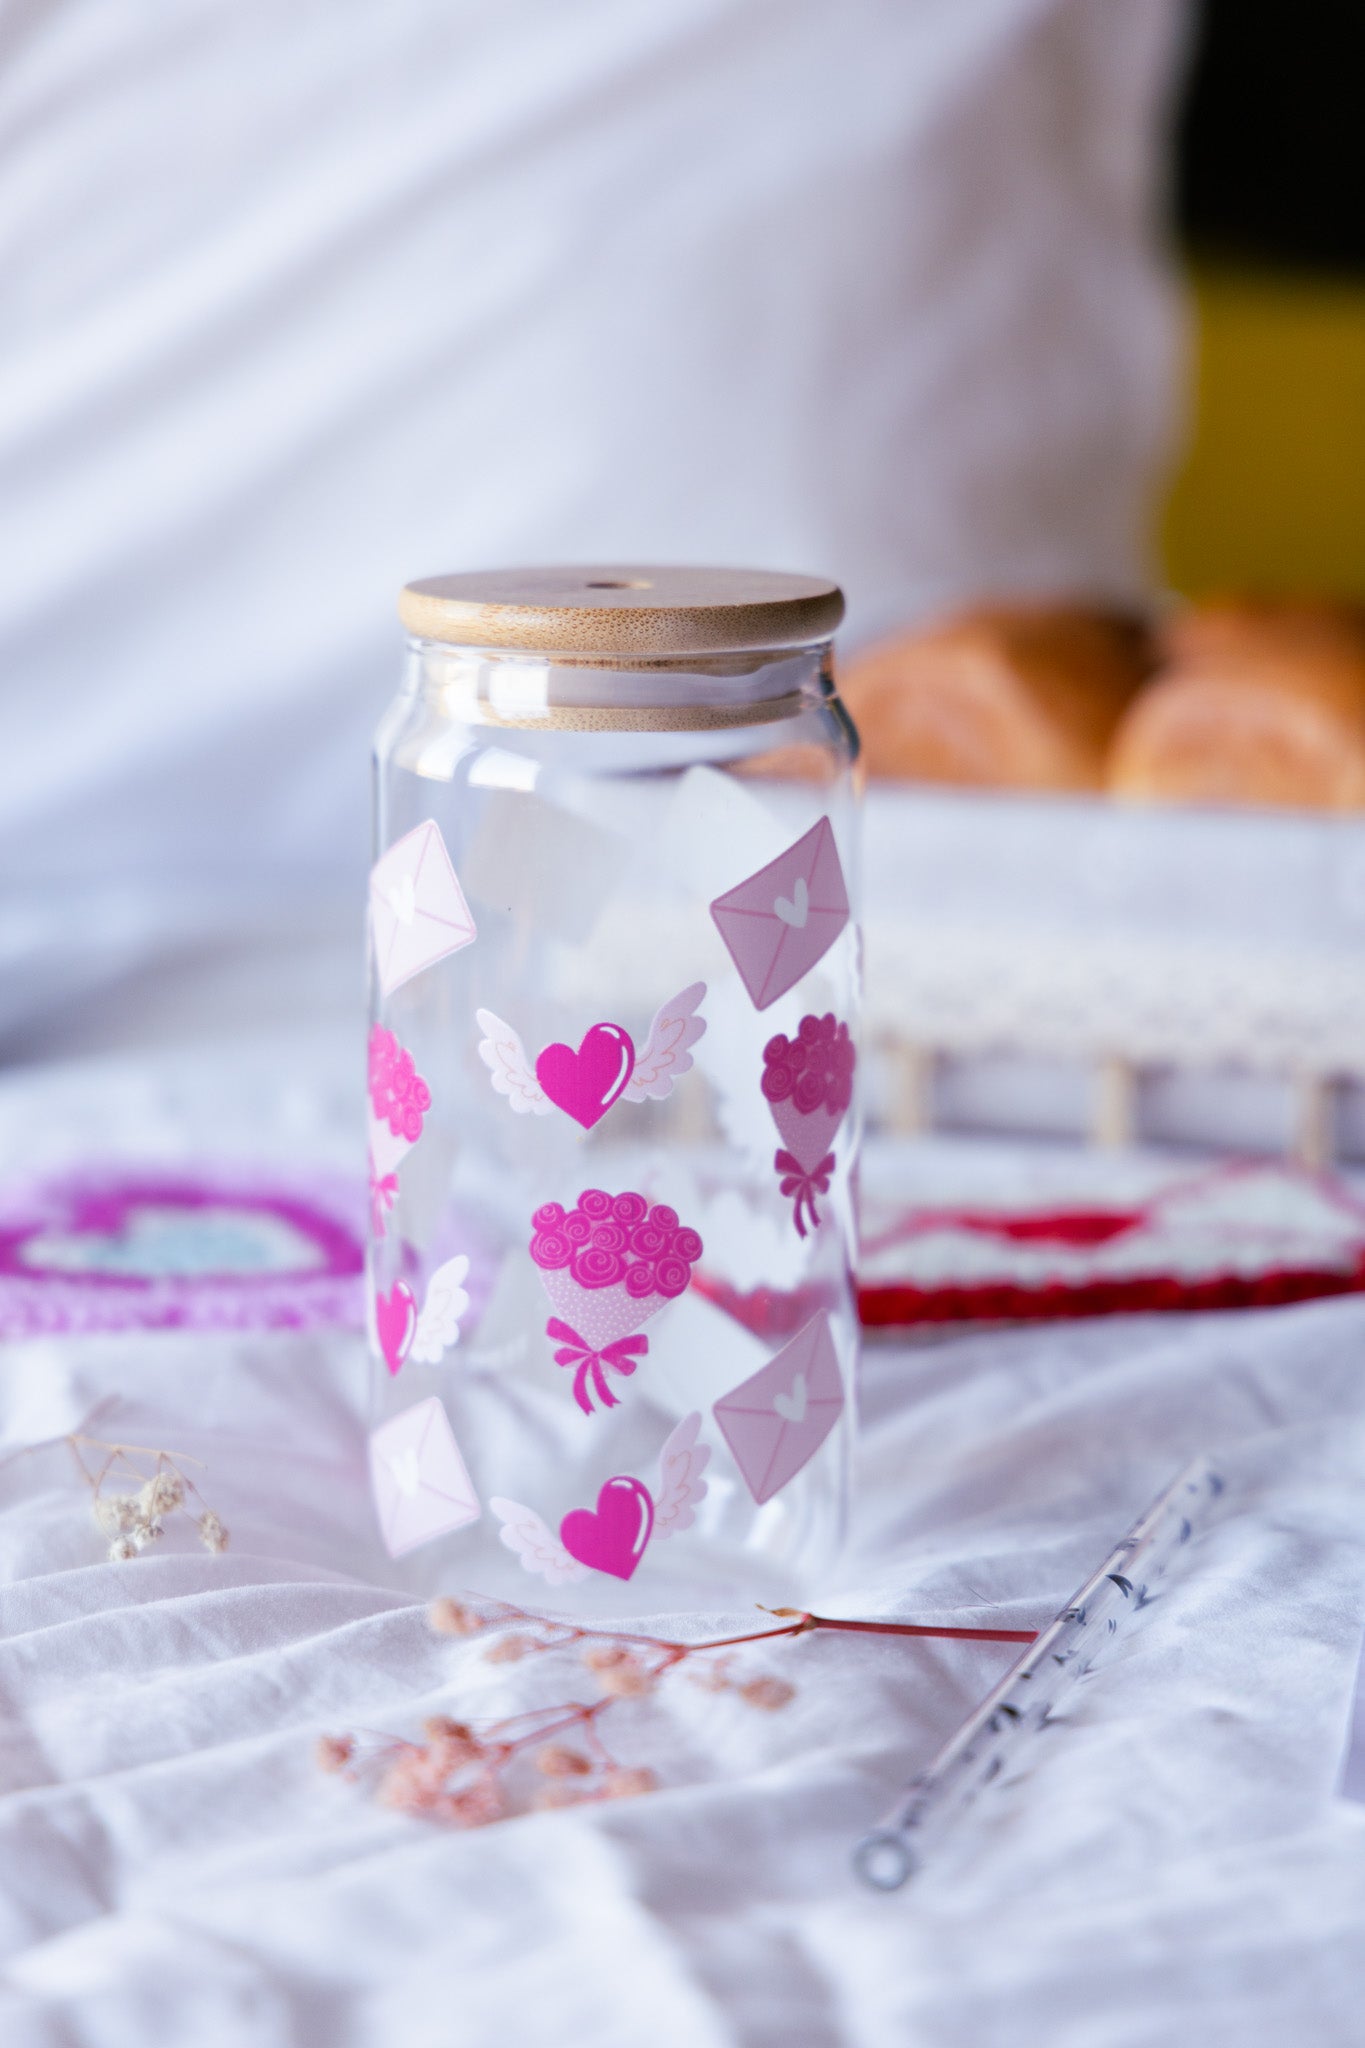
418 914
421 1487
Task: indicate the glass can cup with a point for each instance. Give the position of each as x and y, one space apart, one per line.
612 1089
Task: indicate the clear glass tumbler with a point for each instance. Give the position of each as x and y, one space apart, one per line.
612 1083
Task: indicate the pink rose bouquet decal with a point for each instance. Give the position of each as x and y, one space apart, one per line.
808 1086
607 1266
399 1101
398 1094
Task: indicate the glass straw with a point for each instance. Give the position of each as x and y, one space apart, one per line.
1027 1696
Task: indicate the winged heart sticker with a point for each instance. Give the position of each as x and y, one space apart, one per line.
613 1536
605 1069
401 1332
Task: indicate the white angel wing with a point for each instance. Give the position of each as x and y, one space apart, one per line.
674 1030
681 1463
504 1055
540 1551
438 1326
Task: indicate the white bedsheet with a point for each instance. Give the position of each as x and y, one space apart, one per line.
175 1868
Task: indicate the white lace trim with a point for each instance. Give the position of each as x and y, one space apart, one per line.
1080 929
1190 1002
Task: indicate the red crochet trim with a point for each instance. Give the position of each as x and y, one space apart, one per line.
892 1304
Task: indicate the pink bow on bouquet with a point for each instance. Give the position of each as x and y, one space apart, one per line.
804 1185
593 1365
383 1195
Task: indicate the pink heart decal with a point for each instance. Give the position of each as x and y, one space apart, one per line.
584 1084
611 1538
395 1319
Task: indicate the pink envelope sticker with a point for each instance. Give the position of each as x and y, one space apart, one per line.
779 922
418 914
421 1488
775 1421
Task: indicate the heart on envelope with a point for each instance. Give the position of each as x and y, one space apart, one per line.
784 918
418 913
775 1421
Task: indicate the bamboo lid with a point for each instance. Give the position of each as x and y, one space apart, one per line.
624 613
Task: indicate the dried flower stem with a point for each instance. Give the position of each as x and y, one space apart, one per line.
99 1443
900 1628
460 1774
802 1623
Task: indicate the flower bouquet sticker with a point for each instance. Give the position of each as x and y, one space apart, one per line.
775 1421
418 914
604 1070
613 1535
608 1266
808 1086
399 1101
783 919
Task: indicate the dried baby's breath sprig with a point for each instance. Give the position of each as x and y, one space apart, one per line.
333 1752
132 1520
468 1775
452 1618
770 1694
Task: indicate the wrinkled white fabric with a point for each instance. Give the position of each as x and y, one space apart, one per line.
305 301
174 1866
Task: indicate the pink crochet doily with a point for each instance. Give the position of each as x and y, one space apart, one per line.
221 1248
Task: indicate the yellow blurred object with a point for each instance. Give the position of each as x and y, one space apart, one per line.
1271 494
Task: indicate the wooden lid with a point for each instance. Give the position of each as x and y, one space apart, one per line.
624 613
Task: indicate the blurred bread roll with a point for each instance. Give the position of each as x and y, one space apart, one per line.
1241 625
1004 697
1257 703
